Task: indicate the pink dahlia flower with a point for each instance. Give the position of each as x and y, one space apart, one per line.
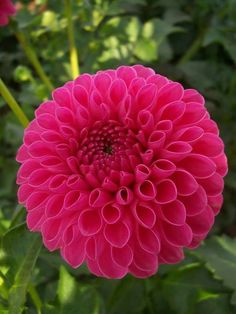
122 170
6 9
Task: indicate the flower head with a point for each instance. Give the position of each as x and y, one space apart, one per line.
6 9
122 170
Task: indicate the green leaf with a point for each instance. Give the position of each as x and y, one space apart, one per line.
146 49
76 298
22 248
220 255
128 297
185 288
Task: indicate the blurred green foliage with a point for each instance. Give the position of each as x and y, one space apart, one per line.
189 41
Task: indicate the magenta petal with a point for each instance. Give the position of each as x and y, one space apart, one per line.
35 218
174 213
144 260
74 253
143 71
89 222
162 168
172 111
148 240
51 232
189 135
156 140
199 166
146 190
170 254
54 205
124 196
117 91
144 214
139 273
191 95
117 234
62 96
201 223
74 200
122 256
98 198
91 248
142 172
196 202
177 235
209 144
22 154
166 191
184 182
36 199
126 73
111 213
146 96
102 82
107 266
215 203
176 151
169 93
24 192
213 185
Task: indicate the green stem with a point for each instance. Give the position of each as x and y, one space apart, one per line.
32 56
74 60
35 298
193 49
10 100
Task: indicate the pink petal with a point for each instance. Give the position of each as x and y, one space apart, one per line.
177 235
166 192
127 74
122 256
144 214
54 205
169 93
117 234
176 151
124 196
191 95
215 203
184 182
74 200
111 213
89 222
146 190
142 172
213 185
74 253
174 213
209 145
118 91
148 240
162 169
198 165
107 266
196 202
201 223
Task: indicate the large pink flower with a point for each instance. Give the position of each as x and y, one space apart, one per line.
6 9
122 170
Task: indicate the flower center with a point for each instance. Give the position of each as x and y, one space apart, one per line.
105 144
108 149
